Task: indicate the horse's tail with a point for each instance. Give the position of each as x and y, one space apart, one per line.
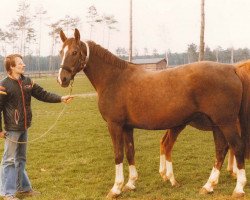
243 71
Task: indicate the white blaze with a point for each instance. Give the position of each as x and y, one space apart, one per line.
59 76
66 48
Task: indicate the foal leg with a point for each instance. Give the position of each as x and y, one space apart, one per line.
130 154
116 132
221 148
167 143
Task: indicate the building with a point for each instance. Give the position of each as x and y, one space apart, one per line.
152 64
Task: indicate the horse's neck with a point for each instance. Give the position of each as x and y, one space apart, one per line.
100 73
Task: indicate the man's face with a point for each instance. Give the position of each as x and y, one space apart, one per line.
20 66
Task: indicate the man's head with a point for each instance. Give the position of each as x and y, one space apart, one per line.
14 64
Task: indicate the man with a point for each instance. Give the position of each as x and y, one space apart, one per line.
15 104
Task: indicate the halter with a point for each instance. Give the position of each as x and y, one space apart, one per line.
82 63
87 56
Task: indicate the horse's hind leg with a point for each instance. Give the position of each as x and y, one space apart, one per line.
162 168
235 142
166 147
237 145
130 154
232 165
221 148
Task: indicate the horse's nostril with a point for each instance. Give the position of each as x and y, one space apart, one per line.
64 79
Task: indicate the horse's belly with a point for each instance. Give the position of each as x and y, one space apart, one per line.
158 120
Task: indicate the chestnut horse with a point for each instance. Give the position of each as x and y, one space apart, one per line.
130 97
202 123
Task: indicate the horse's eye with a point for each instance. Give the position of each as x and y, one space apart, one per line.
74 53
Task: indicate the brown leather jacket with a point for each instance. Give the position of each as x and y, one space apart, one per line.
15 99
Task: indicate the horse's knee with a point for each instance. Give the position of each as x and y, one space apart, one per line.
119 157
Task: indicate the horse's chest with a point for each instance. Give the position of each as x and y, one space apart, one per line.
111 109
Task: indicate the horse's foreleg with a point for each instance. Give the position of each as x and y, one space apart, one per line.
118 144
221 148
167 144
130 154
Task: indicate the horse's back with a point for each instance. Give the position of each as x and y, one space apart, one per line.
168 98
204 87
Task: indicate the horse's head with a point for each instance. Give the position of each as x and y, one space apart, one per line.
74 56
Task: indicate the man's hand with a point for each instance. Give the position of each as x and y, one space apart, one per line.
2 134
66 99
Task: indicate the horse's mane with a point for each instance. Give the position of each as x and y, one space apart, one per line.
106 55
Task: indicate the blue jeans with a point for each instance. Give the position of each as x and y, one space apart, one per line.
13 176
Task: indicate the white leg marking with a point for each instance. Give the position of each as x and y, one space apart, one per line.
162 168
133 176
241 181
213 180
119 179
170 173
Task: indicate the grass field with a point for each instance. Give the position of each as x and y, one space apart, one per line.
75 160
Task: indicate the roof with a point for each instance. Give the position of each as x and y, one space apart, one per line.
147 60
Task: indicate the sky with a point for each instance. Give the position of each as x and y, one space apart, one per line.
157 24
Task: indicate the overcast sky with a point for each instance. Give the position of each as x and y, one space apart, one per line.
159 24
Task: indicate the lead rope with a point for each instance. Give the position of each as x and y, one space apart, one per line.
51 127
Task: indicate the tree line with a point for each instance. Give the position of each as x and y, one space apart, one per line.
23 37
219 54
228 55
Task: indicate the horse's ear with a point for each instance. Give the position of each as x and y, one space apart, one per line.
77 35
62 36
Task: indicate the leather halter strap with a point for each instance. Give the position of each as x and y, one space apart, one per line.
87 56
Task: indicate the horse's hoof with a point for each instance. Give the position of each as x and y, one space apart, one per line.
233 175
164 177
238 194
127 189
112 195
176 184
204 191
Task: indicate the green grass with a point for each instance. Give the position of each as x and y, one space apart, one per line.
75 160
